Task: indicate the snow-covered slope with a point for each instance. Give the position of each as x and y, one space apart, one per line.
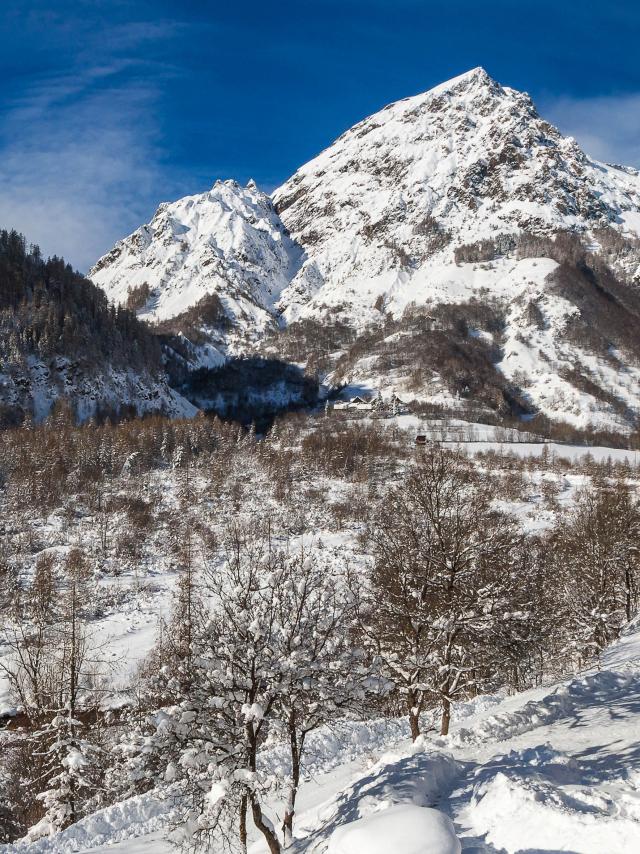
38 385
465 161
60 340
555 768
228 241
370 228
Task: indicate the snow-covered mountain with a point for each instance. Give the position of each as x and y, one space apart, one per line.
228 242
380 211
436 199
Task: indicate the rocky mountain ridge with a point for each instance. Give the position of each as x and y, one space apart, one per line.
227 243
382 209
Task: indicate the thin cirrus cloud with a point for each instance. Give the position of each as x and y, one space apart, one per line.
78 167
606 127
112 127
81 157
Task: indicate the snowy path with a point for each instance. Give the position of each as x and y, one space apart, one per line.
551 770
569 785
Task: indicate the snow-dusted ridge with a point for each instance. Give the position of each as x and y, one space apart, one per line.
37 389
471 155
228 241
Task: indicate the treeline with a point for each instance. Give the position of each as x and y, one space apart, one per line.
41 466
562 247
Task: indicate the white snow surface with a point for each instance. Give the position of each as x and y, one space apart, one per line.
556 768
40 384
470 153
407 828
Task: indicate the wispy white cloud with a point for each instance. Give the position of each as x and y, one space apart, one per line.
80 153
607 128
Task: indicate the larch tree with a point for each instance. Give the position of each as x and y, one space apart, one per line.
596 549
53 673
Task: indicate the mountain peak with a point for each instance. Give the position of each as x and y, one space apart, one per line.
476 75
228 242
385 218
463 162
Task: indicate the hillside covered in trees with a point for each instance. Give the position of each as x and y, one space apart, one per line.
61 339
195 624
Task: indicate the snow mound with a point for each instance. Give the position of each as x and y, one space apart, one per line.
550 817
560 703
136 816
405 829
409 778
624 654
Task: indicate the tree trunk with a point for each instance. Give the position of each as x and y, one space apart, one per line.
446 689
263 827
446 716
414 723
290 810
243 824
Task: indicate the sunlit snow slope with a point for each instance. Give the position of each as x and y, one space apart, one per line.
228 241
548 770
470 154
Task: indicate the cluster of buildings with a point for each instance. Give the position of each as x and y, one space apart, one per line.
391 406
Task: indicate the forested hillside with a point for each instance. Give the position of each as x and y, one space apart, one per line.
61 339
196 619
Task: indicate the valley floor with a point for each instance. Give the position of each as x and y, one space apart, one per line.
548 770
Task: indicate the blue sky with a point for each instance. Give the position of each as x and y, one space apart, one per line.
109 107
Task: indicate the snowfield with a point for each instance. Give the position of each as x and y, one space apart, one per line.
552 769
407 828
